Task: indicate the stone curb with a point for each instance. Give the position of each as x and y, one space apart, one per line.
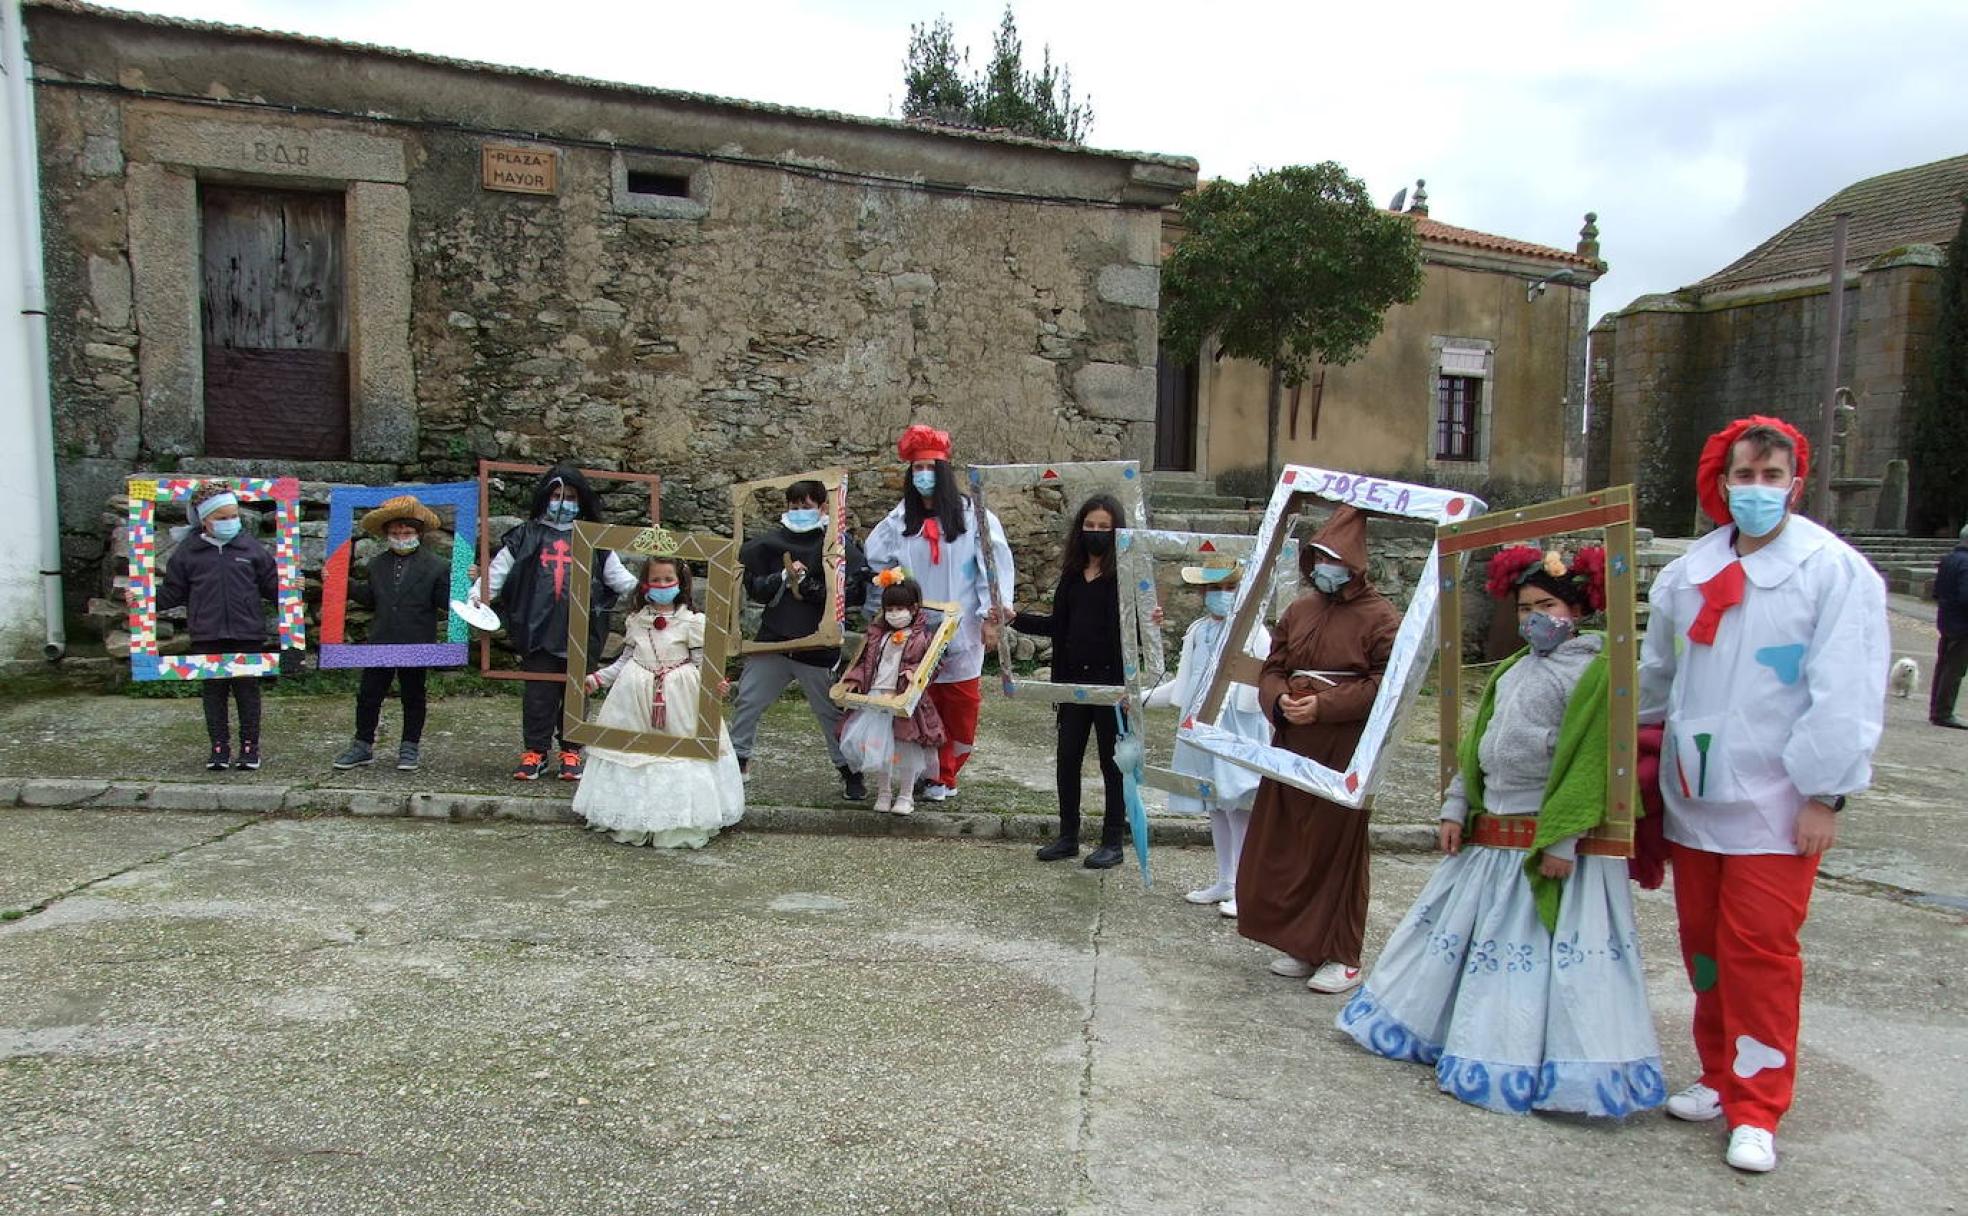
274 800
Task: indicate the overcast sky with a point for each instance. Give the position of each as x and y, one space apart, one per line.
1695 128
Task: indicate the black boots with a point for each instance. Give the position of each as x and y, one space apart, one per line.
1061 849
853 787
1106 857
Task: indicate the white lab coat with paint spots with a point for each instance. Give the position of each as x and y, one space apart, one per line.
1789 701
957 578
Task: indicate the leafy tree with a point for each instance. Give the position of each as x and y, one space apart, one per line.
1939 471
1293 269
1003 96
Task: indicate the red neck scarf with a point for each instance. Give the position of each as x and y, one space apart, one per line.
1719 594
932 532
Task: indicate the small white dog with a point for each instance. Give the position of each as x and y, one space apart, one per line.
1904 678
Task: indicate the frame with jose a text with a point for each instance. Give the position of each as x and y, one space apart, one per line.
486 470
1122 478
833 551
904 702
1610 510
343 502
1298 486
720 591
146 663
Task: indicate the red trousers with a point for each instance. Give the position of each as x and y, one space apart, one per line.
958 702
1740 914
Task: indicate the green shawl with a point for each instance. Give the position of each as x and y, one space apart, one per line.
1575 792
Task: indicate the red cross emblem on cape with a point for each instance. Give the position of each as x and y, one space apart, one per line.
556 556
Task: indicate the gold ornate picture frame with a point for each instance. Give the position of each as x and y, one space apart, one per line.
904 702
833 551
1610 510
720 588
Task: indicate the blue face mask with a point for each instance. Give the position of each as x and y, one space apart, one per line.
561 514
1219 603
1544 632
662 597
1329 577
1758 510
803 519
924 480
224 530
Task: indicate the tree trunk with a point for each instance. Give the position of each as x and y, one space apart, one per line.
1271 411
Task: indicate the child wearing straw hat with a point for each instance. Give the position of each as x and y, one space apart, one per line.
1232 789
409 591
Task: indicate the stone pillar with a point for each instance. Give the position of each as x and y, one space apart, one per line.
1897 305
1602 360
165 289
1654 440
382 380
1891 514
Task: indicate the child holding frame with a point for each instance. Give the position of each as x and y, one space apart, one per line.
896 748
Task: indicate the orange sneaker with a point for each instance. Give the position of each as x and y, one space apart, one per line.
570 766
531 765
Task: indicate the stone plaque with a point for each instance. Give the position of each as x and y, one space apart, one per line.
519 170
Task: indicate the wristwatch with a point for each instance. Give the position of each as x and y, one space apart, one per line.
1835 801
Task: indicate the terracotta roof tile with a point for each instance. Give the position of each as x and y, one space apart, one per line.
1469 238
1921 205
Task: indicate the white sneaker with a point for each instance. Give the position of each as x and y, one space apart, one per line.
1334 977
905 804
1752 1149
1215 893
1227 908
1695 1104
1291 968
939 793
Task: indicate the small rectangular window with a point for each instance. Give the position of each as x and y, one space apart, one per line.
662 185
1459 403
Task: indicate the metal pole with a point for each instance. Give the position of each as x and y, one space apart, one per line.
1835 321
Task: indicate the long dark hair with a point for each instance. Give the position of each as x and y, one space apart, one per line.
905 594
1074 562
947 500
684 597
570 477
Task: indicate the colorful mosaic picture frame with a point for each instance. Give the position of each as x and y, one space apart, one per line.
904 703
486 470
1407 666
1610 510
343 503
1120 477
833 549
145 493
1139 550
719 592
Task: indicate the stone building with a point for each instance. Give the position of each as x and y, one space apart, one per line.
1480 383
361 265
1668 370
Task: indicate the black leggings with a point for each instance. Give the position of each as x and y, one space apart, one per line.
410 683
541 703
245 690
1074 723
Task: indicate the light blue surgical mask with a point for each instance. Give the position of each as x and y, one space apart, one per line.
224 530
1219 603
1758 510
562 513
803 519
406 545
924 480
1329 577
1545 632
662 597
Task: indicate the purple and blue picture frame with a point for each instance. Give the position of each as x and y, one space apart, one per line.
343 503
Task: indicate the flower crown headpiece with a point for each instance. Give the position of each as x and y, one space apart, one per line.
1513 567
891 576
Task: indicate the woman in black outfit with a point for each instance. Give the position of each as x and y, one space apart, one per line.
1085 628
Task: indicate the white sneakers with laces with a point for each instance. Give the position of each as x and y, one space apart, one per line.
1695 1104
938 793
1752 1149
1334 978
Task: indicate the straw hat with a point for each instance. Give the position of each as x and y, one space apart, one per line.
1213 576
403 506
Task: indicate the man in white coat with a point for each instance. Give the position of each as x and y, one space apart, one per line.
1766 657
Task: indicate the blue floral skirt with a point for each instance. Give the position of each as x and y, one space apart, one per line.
1513 1018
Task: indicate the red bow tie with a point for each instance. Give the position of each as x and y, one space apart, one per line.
1719 594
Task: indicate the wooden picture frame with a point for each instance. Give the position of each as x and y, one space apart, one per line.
343 503
833 551
1407 666
1123 477
904 703
720 589
1610 510
486 468
146 661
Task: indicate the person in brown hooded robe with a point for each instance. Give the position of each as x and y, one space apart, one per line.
1302 880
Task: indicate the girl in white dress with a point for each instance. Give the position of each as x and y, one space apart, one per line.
1232 788
1517 973
664 801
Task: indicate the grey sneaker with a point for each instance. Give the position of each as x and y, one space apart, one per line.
357 755
407 756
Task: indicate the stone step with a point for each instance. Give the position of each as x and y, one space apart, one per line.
1159 501
1237 523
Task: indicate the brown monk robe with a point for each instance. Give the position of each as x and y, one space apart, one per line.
1302 879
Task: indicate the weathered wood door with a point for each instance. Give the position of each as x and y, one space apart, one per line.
1175 415
276 325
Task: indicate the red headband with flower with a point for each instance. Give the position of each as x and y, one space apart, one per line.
1584 577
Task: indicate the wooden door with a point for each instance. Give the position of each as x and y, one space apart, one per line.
276 325
1175 415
